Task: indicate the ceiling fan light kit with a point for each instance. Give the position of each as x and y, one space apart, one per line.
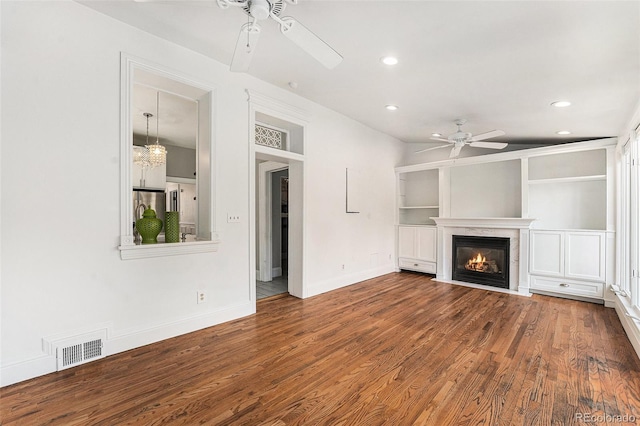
292 29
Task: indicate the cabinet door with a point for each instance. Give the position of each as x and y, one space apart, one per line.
426 244
406 241
547 253
584 255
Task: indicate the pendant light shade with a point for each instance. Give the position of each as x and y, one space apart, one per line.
157 152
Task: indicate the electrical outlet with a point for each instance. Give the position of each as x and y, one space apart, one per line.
343 266
233 218
202 296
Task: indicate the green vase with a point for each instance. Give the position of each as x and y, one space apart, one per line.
149 226
172 227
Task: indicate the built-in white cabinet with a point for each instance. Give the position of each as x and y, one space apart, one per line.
568 191
569 263
417 248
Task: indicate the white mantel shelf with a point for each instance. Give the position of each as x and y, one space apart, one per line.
484 222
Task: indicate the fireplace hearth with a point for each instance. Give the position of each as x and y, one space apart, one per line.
481 260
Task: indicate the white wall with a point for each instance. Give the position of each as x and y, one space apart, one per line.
486 190
362 242
61 270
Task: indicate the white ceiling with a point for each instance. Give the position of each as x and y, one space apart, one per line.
498 64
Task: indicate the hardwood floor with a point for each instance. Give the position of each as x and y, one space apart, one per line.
395 350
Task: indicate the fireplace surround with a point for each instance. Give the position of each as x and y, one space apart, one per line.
515 229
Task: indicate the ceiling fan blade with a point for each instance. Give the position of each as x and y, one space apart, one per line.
439 139
245 46
487 135
455 151
492 145
309 42
432 148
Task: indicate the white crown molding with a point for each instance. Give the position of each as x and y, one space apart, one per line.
278 108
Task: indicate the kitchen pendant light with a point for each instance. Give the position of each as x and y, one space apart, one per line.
157 152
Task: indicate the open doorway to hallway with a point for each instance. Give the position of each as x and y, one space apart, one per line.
273 230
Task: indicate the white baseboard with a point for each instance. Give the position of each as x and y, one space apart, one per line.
28 369
631 327
127 340
276 272
345 280
134 338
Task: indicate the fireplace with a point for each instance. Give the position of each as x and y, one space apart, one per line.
481 260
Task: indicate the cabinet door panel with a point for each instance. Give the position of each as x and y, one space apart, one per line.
547 253
426 247
406 241
585 255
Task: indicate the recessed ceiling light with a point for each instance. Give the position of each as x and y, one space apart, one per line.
389 60
436 135
563 132
391 107
561 104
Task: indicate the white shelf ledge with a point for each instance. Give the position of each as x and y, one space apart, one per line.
568 179
420 207
484 222
129 252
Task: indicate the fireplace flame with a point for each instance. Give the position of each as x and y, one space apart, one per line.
479 263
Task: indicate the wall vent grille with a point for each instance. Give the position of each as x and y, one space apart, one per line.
79 353
269 137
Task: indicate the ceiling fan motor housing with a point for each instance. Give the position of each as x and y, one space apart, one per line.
460 137
261 9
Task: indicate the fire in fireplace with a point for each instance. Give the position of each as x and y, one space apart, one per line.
481 260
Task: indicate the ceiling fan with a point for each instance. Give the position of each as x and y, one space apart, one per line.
260 10
460 139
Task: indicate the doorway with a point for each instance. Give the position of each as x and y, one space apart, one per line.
273 229
271 154
272 226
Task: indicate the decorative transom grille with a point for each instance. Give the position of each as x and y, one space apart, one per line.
269 137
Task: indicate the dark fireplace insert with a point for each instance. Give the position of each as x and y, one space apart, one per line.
481 260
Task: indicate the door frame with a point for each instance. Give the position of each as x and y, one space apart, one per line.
295 159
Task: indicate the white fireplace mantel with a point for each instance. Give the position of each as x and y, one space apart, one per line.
516 229
484 222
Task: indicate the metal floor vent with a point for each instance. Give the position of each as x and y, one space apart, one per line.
80 353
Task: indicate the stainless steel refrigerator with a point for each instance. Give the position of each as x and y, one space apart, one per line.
145 198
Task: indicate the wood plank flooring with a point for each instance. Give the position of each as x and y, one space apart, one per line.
396 350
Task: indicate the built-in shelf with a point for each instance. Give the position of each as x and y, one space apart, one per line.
568 179
420 207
